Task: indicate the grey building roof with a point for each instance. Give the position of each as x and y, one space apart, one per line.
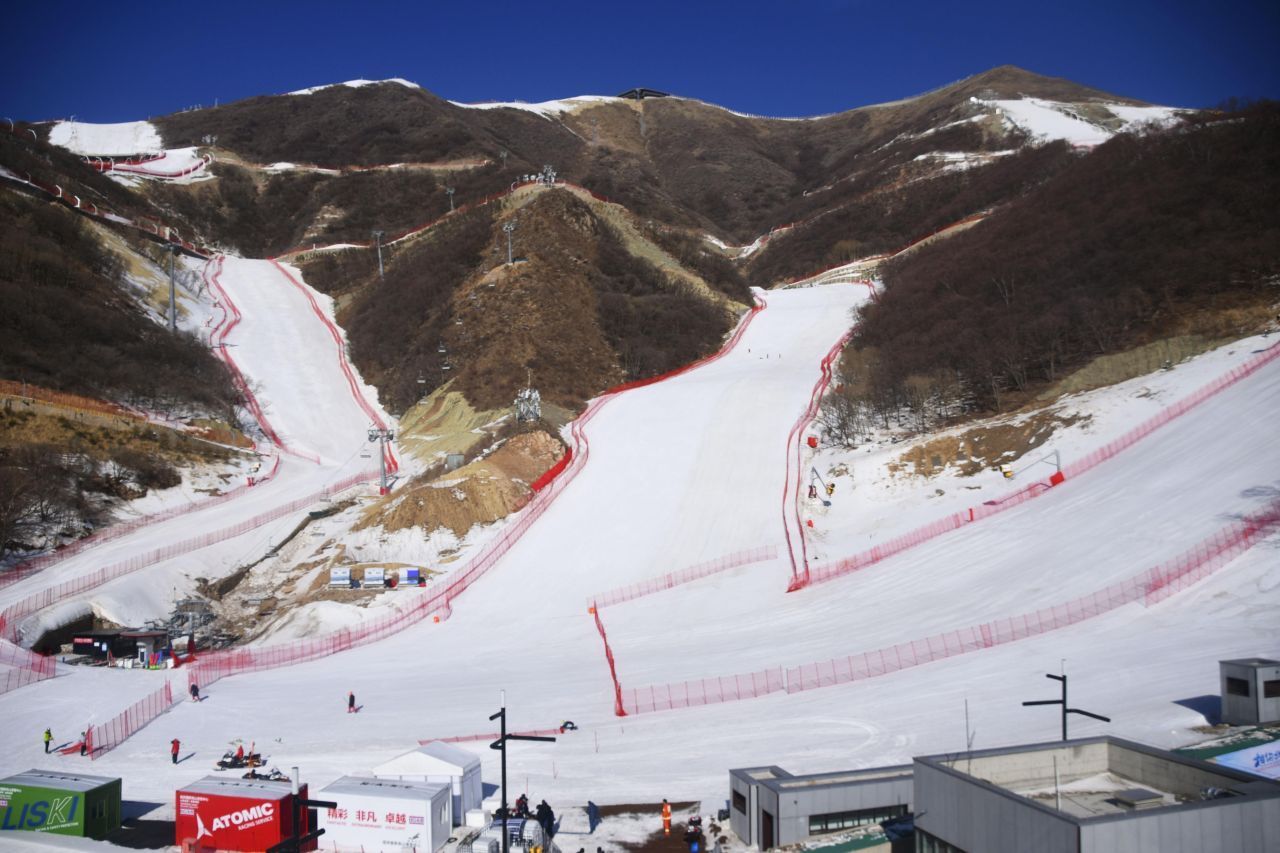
59 781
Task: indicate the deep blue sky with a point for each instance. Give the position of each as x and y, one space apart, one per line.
804 57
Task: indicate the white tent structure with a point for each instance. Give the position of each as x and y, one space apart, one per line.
440 762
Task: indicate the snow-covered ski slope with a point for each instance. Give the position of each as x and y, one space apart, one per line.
295 368
692 469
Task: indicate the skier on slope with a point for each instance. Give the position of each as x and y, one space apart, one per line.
351 701
174 746
48 738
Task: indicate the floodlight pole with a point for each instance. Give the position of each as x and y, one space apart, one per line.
377 238
1063 703
509 227
173 305
294 843
501 745
450 191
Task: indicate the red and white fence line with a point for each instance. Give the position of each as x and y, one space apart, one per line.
12 615
956 520
687 575
353 384
1147 588
436 599
104 737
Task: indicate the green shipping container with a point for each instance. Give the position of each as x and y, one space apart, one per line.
65 803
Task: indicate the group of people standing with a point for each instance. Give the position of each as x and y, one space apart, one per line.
543 814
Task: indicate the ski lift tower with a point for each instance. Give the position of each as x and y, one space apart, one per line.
509 227
382 435
528 404
377 240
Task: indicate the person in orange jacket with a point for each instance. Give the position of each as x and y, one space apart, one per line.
174 746
666 817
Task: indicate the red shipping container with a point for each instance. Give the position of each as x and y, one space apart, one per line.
236 814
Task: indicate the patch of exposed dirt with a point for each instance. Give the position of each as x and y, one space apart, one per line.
479 492
984 446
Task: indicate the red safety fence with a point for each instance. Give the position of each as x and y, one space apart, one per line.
340 342
1148 587
148 172
19 667
124 528
554 471
794 478
956 520
106 164
12 615
491 736
673 579
436 599
104 737
618 710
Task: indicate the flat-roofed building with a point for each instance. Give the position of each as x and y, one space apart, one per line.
1096 795
770 807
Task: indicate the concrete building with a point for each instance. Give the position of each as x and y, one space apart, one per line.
1097 795
1250 691
770 807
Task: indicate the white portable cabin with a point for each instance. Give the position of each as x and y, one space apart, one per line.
440 762
385 814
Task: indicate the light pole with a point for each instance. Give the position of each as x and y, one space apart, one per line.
377 238
450 190
501 745
509 227
382 435
173 305
1063 703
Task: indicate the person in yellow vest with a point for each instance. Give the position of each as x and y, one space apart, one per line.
666 818
48 738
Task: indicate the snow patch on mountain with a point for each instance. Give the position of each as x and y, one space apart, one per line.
355 84
107 140
1050 120
546 109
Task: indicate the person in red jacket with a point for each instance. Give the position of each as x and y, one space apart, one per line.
174 746
240 752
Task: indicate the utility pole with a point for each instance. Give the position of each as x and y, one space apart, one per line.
1063 702
295 843
503 154
501 745
173 305
450 190
382 435
509 227
377 238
